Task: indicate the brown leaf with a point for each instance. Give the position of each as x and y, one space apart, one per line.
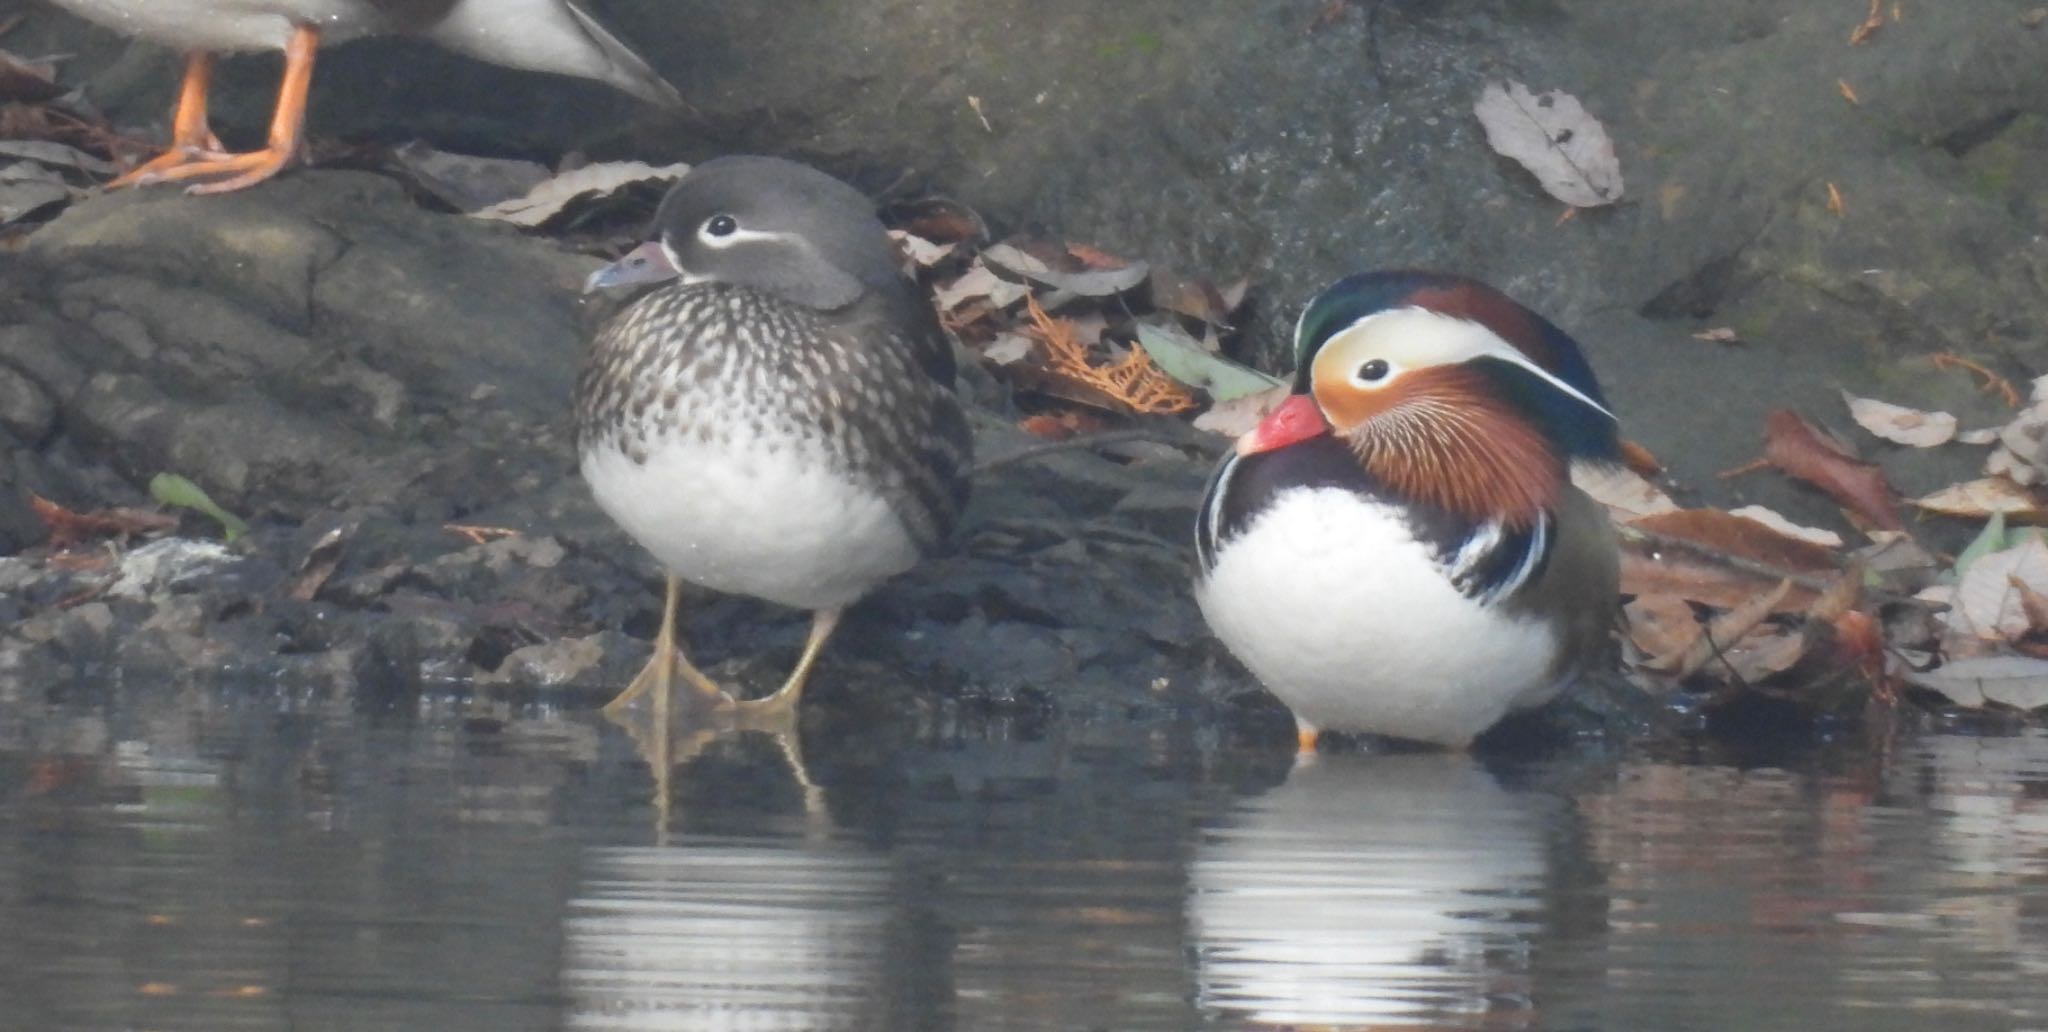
1806 452
1197 297
940 220
68 527
1725 533
1725 631
1661 625
1717 558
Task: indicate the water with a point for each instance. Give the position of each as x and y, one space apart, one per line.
181 859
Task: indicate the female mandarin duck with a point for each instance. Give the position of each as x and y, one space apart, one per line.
778 421
536 35
1398 548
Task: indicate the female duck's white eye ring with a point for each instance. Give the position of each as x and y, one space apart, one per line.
720 226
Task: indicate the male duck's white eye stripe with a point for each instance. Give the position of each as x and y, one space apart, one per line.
1449 339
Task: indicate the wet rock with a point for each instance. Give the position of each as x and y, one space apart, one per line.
26 411
599 660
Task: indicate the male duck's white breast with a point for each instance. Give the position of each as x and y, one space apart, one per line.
1331 602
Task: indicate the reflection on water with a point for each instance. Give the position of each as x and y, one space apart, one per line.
1371 890
171 859
713 933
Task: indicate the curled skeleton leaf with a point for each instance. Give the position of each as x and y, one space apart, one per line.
1553 137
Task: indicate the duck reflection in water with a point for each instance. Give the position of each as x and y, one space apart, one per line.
1368 891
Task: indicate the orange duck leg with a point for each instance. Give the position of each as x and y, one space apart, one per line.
194 154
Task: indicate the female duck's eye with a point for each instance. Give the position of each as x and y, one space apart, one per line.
721 225
1373 371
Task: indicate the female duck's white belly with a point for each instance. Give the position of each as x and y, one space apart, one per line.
775 521
1336 608
228 24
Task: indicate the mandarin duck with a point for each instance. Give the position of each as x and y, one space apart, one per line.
1397 549
535 35
779 421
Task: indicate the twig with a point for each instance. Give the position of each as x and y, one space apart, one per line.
1992 381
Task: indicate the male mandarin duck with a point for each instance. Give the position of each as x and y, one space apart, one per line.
535 35
779 421
1398 548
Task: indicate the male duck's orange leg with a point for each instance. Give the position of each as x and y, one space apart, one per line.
191 137
287 129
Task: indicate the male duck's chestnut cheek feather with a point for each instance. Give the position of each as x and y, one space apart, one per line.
1449 442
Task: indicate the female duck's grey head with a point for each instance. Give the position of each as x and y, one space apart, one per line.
777 226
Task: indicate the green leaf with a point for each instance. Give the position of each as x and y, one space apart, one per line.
1991 539
1185 359
172 489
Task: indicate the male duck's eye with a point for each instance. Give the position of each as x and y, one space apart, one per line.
722 225
1373 371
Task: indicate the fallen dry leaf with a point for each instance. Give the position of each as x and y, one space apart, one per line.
466 182
69 527
2005 464
979 281
1836 206
1976 499
1626 493
1806 452
1661 625
1196 297
2020 682
1716 558
1982 602
1015 258
1899 424
1237 416
1772 519
921 253
938 219
1718 335
554 196
1553 137
1009 347
1723 633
